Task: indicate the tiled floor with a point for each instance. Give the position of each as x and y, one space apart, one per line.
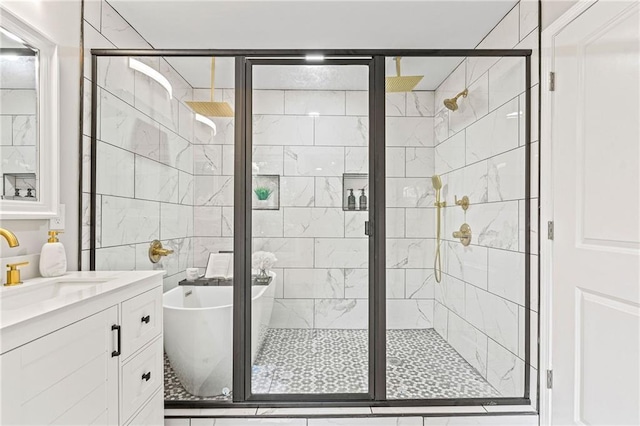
420 364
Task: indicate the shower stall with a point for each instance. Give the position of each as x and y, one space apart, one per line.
377 206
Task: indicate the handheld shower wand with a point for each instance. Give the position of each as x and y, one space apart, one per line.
437 261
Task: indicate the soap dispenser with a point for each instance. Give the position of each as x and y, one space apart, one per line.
362 200
351 200
53 258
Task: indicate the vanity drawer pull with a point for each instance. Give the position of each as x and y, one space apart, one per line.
146 376
146 319
119 350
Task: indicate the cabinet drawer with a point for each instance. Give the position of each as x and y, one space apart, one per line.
141 320
141 377
152 414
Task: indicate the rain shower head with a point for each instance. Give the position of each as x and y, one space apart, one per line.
211 108
452 104
437 182
401 83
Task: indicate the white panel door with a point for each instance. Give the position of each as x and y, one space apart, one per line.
596 209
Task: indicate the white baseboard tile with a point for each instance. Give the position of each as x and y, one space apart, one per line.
482 421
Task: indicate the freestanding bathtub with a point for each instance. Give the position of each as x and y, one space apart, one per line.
198 334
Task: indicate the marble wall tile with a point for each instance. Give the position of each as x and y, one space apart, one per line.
533 343
228 159
357 103
341 253
328 192
420 162
454 84
282 130
268 101
441 126
125 127
356 160
341 313
450 292
354 224
182 91
186 122
493 315
153 99
505 371
468 264
267 223
207 221
396 104
173 264
313 161
421 104
471 181
356 283
395 223
341 131
93 40
224 135
531 42
533 226
290 252
505 35
408 314
175 151
292 313
128 221
297 191
227 221
496 224
267 160
409 192
155 181
213 191
115 76
86 113
494 134
25 130
118 31
471 108
450 154
395 284
185 188
420 284
528 17
176 221
506 81
18 102
468 342
507 176
395 162
203 246
409 253
322 102
207 159
18 72
452 218
92 12
6 131
409 131
506 274
120 258
314 283
114 171
440 319
420 223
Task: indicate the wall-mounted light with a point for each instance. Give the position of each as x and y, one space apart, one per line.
147 70
206 121
314 57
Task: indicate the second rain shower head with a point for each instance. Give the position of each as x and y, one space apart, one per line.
452 104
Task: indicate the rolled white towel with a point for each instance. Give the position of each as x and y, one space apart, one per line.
220 265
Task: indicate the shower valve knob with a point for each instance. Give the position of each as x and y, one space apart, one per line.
464 202
464 234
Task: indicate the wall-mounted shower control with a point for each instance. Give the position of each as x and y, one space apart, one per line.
464 202
464 234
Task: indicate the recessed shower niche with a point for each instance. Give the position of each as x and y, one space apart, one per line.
353 310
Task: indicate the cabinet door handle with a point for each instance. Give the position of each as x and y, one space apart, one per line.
146 319
118 351
146 376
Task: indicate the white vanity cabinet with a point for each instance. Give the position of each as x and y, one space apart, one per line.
104 366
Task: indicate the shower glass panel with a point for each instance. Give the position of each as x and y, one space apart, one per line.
456 312
310 285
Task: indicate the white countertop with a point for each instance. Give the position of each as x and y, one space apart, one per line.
101 283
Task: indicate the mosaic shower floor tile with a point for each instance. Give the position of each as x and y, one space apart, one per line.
420 364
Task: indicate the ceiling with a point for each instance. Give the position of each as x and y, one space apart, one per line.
301 24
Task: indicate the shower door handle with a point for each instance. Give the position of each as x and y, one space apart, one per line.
368 229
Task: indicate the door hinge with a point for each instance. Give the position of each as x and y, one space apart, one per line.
552 81
549 379
550 231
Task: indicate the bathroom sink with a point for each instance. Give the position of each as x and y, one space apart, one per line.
17 297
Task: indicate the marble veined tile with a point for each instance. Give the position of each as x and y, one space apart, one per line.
213 191
505 371
267 223
292 313
496 224
421 104
451 86
207 159
207 221
18 159
18 102
267 160
25 129
450 154
341 252
395 284
466 263
268 101
319 283
409 253
341 313
420 162
313 222
450 292
282 130
528 17
321 102
396 104
114 171
155 181
175 151
18 72
6 135
224 135
290 252
441 126
506 81
507 176
176 221
356 159
408 314
297 191
409 131
421 223
506 274
115 75
440 319
471 108
185 188
356 283
120 258
493 315
203 246
128 221
342 131
154 100
313 161
420 283
116 29
493 134
470 343
395 226
409 192
395 160
357 102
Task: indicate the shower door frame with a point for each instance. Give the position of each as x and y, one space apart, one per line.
376 395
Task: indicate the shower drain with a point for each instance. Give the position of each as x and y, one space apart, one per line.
394 361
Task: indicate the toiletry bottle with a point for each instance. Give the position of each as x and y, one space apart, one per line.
53 258
351 200
363 200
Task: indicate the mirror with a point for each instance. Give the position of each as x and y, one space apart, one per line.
28 121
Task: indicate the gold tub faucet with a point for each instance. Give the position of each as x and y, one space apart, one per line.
10 237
